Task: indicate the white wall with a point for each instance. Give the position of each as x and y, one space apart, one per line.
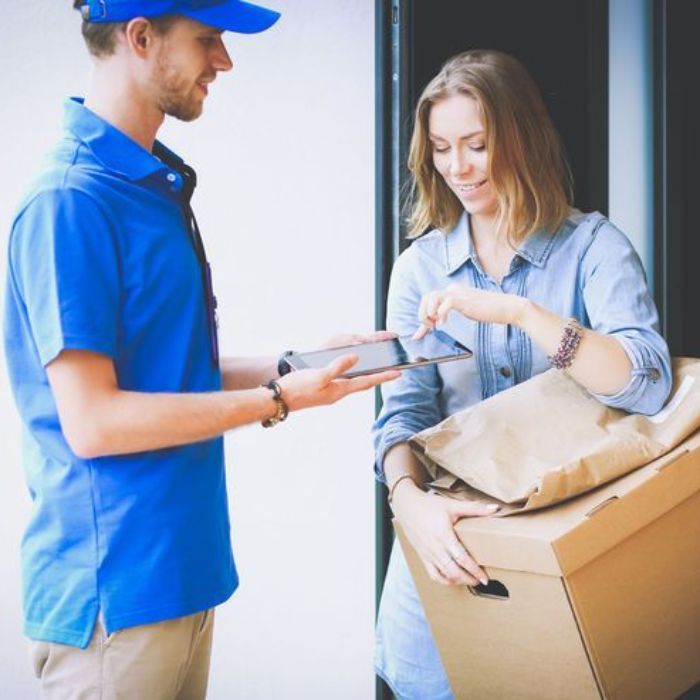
285 155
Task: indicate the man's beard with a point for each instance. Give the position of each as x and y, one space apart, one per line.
174 95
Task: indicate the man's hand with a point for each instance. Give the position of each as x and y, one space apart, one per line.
320 387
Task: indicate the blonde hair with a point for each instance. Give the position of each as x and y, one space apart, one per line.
527 168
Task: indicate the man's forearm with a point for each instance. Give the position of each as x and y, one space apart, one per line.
98 418
247 372
129 422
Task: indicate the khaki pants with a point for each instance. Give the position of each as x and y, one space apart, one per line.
164 661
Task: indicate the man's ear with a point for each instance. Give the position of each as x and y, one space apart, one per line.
139 36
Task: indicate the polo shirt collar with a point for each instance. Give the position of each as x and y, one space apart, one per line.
459 246
111 147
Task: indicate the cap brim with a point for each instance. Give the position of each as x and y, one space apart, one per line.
241 17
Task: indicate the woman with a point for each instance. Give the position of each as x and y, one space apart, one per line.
534 284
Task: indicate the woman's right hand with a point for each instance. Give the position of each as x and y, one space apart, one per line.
428 521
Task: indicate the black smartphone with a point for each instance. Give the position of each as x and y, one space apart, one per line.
398 353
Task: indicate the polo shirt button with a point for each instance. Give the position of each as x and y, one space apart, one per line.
506 372
171 177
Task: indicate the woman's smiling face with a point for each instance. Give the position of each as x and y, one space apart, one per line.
458 139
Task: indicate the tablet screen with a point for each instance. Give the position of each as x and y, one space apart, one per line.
402 353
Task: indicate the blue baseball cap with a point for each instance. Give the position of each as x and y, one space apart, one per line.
228 15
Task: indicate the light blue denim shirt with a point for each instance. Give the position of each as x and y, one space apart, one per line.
587 269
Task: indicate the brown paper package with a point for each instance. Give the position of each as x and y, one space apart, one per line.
547 440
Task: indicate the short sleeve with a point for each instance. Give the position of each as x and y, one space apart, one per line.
64 259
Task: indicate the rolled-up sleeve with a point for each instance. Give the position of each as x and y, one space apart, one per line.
618 303
410 404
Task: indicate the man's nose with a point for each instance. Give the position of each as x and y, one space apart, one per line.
222 60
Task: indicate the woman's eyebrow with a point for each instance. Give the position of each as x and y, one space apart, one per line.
436 137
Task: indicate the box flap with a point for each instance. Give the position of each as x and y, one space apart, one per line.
669 483
559 539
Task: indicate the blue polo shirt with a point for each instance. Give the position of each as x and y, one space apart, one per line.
100 259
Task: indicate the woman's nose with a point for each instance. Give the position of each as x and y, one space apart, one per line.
459 163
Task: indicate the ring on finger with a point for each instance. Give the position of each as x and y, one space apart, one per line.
454 552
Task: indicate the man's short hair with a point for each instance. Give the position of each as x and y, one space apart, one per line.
101 37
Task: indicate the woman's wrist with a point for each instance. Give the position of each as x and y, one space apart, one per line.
402 489
524 311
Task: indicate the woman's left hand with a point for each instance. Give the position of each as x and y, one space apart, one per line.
476 304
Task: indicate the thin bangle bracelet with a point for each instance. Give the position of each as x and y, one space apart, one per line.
390 497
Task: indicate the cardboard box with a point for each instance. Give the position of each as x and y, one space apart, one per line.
603 594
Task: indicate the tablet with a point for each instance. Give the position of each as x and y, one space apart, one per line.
397 353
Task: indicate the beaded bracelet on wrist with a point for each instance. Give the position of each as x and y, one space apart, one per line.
282 410
566 352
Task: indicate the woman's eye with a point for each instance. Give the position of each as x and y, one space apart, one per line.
440 149
477 147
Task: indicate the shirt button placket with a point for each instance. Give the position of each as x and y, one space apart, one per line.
500 357
175 181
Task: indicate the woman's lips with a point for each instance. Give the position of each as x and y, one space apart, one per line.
469 188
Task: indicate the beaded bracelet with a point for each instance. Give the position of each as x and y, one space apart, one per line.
282 410
570 339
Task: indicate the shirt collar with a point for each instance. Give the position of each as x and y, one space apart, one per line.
537 247
111 147
459 246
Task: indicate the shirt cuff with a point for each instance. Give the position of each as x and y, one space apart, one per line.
649 384
389 438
